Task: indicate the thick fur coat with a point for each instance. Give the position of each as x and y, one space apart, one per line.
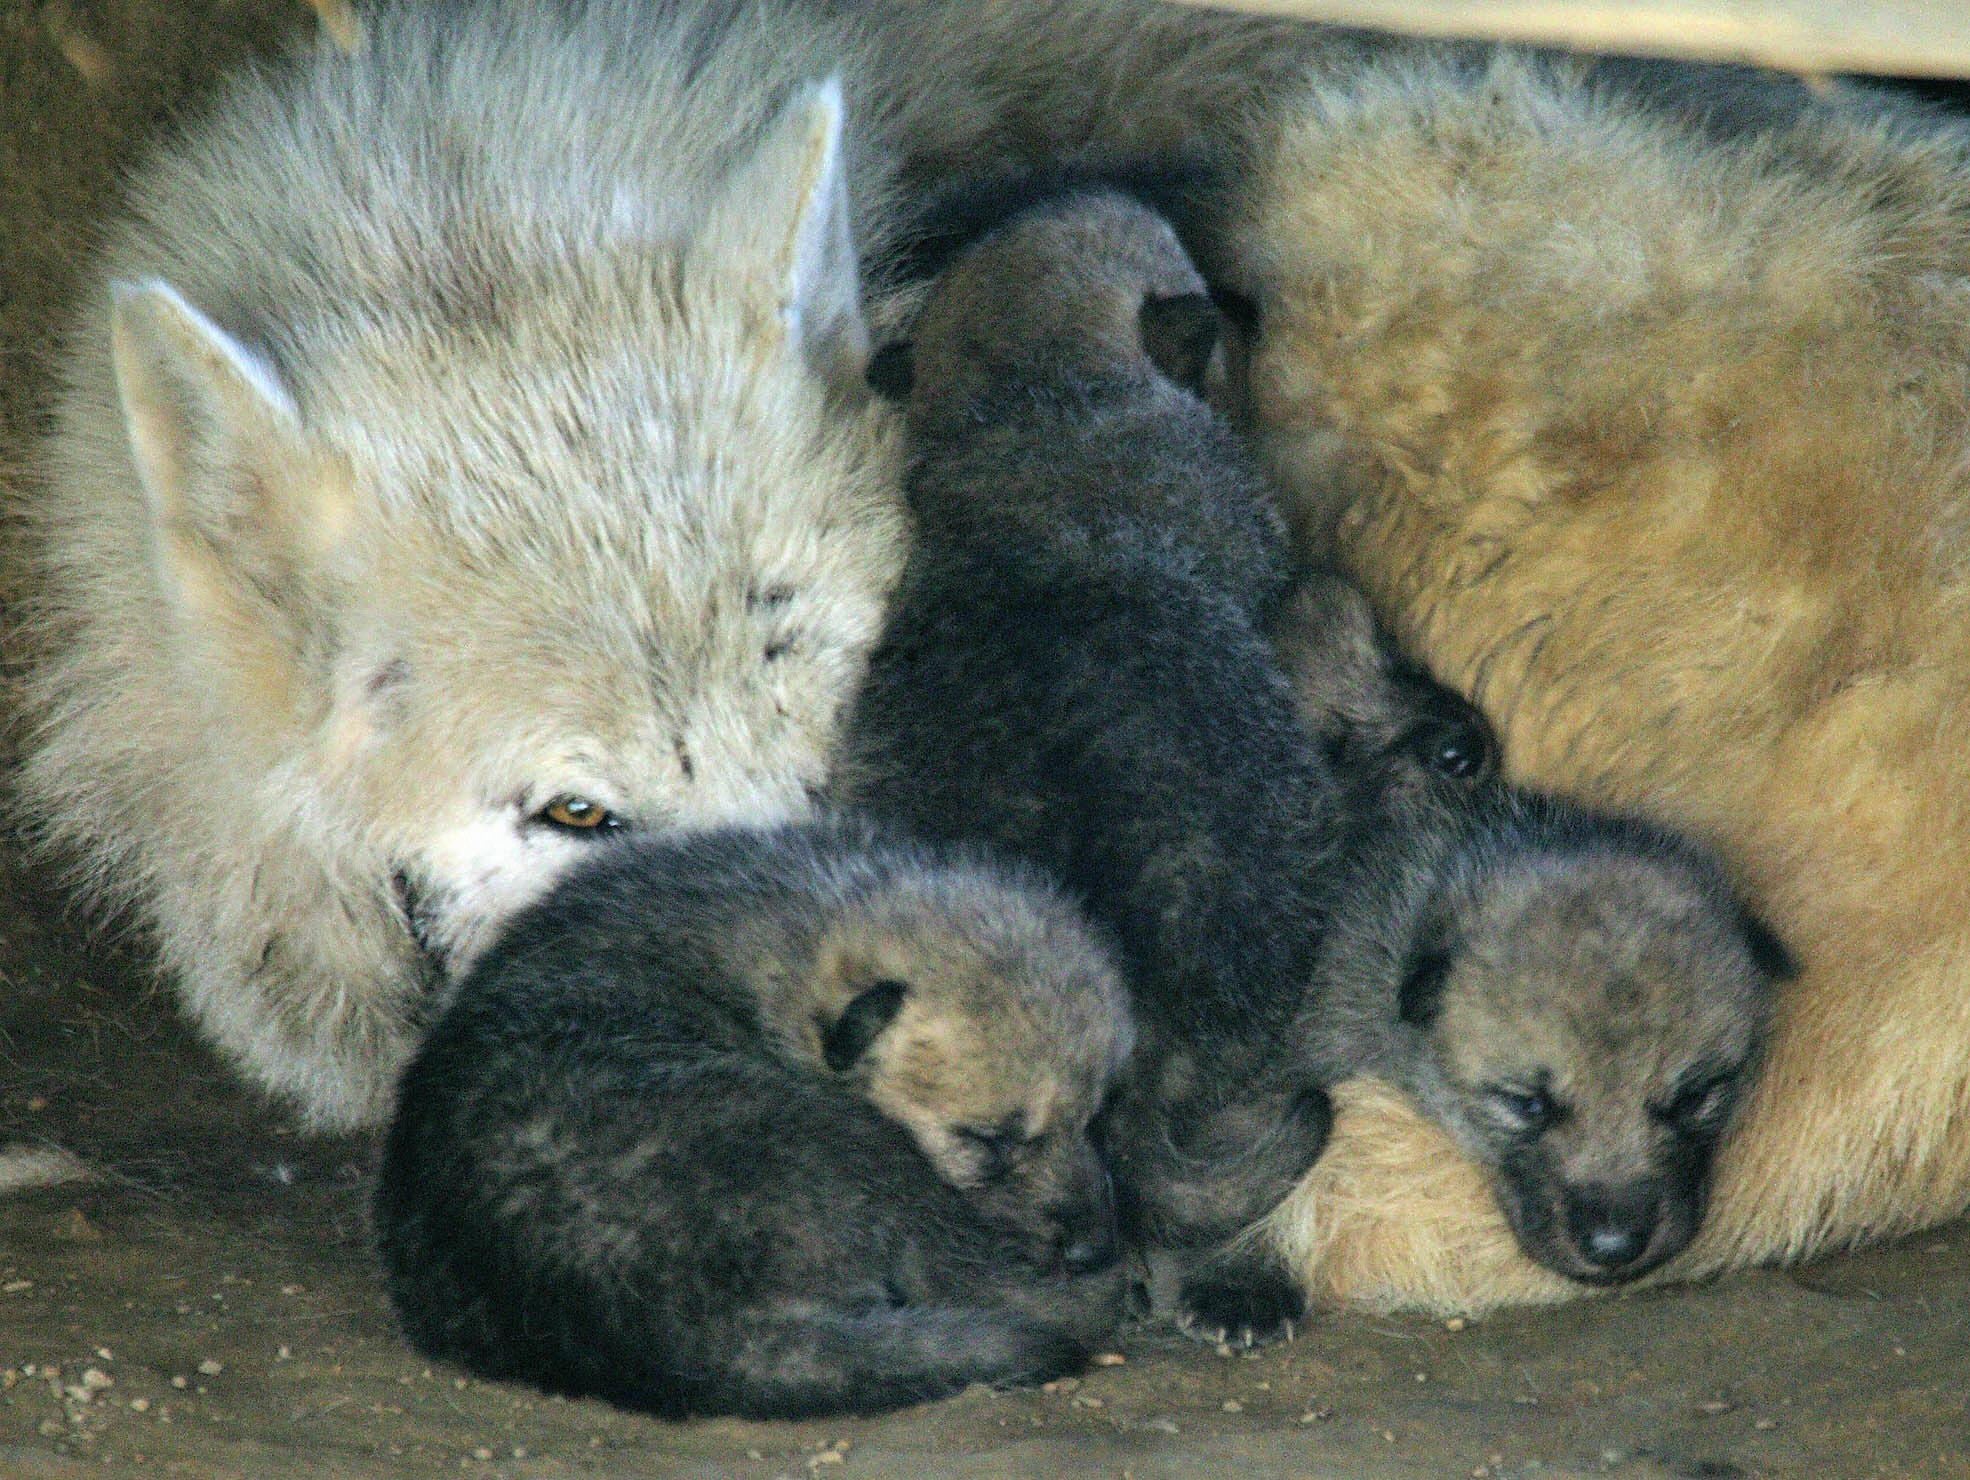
435 483
773 1121
462 448
1646 421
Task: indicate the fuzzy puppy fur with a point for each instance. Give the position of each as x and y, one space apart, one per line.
1580 1001
776 1123
1079 614
464 449
1656 445
1075 669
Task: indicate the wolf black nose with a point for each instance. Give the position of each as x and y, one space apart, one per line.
1611 1228
1611 1246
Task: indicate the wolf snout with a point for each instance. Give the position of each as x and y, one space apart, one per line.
1089 1237
1613 1230
1456 743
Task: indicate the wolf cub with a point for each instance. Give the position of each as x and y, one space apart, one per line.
1076 669
1371 707
775 1122
1580 1000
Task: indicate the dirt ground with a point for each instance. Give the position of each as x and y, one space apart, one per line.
204 1303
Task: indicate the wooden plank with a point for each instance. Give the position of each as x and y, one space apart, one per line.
1912 37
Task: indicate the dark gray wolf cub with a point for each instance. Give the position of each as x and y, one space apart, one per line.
774 1123
1076 669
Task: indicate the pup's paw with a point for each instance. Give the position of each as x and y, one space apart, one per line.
1239 1306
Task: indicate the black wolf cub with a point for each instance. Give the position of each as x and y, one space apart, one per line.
767 1122
1076 669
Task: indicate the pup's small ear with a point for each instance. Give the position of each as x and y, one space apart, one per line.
1768 952
1181 335
893 370
1421 993
847 1038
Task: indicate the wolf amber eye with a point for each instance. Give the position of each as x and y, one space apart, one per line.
578 814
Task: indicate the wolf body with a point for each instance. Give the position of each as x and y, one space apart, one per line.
775 1121
1548 358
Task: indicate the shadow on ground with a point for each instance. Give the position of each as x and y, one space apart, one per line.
204 1303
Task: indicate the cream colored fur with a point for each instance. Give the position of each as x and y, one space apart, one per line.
1660 448
455 427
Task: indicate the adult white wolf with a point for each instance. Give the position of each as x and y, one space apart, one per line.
464 451
463 457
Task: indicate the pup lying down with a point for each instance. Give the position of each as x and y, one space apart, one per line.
1077 668
775 1123
801 1120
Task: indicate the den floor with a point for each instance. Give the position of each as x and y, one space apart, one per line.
204 1302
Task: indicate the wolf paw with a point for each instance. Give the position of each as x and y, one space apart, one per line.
1240 1307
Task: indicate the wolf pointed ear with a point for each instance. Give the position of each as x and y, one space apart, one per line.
784 216
233 489
1768 953
1181 334
848 1037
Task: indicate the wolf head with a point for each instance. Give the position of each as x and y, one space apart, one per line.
1372 709
1085 285
375 605
1586 1006
990 1023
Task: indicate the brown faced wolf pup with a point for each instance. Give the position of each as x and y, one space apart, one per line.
775 1122
1580 1000
1074 669
1374 710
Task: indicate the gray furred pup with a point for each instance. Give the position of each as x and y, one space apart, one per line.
1372 708
1075 669
775 1122
1580 1000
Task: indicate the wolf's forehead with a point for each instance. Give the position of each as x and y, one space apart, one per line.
552 442
1627 1008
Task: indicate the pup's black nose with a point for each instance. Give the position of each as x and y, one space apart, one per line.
1612 1227
1457 745
1093 1251
1089 1241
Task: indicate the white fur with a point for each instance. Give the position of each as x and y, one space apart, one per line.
456 426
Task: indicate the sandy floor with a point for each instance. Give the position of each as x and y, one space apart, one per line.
205 1305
